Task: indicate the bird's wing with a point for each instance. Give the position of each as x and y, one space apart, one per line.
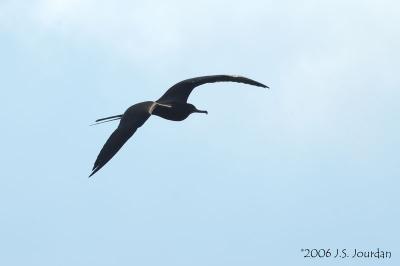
180 92
132 119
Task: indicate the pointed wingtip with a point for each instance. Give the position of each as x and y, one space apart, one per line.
94 170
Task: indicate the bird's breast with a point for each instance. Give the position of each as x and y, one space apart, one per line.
171 112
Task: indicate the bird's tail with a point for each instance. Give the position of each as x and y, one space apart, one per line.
107 119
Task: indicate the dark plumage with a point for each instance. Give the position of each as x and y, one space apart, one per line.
172 106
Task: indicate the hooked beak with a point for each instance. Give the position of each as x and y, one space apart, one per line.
200 111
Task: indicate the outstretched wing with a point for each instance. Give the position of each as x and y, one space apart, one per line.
131 120
112 146
180 92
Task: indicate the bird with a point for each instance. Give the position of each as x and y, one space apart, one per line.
172 105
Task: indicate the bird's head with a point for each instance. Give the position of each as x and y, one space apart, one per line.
193 109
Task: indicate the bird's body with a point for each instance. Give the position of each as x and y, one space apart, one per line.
171 106
174 111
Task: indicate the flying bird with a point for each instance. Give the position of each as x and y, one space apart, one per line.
171 106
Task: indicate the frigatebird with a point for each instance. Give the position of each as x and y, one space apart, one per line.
172 106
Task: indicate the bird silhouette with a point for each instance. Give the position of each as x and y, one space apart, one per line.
172 106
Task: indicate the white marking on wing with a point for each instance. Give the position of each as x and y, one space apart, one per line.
154 105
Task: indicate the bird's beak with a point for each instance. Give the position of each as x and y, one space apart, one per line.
200 111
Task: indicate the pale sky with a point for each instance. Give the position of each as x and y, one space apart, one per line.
310 163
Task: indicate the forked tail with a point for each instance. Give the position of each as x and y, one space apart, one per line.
107 119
